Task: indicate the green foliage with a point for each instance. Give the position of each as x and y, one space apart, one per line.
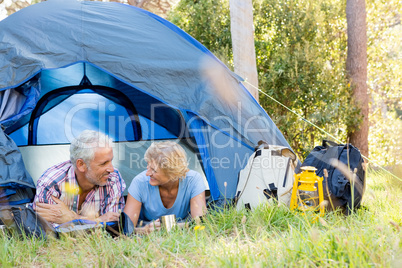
208 21
301 53
385 80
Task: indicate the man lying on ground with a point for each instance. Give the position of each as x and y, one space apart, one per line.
85 187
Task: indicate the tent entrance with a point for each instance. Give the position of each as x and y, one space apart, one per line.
132 123
63 113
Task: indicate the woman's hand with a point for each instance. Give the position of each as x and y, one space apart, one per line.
149 228
152 226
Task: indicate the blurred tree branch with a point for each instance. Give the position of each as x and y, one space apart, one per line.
159 7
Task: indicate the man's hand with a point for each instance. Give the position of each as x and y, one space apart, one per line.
109 216
58 213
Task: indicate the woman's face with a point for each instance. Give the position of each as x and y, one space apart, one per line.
156 175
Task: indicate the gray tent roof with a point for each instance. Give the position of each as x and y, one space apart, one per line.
136 47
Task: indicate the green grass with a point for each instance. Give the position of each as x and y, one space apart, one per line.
271 236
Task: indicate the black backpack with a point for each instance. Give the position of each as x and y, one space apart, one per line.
25 222
337 187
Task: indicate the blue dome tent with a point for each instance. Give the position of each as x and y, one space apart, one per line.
66 66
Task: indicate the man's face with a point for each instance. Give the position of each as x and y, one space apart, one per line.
100 167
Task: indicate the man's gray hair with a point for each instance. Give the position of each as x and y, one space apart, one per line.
84 146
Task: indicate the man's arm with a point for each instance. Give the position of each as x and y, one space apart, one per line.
56 213
59 213
49 189
48 184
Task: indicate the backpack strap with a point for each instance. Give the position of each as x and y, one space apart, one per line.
240 193
261 145
286 173
328 143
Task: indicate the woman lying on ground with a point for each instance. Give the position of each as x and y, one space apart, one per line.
166 187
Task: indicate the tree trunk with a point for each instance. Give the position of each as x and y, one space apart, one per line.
242 30
356 67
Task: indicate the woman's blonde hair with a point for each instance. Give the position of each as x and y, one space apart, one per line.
170 157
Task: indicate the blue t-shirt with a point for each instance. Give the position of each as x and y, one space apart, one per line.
152 207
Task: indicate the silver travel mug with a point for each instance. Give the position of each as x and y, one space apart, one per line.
168 221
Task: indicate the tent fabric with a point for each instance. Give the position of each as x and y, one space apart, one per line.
52 84
17 103
12 168
199 138
11 102
16 183
124 41
123 53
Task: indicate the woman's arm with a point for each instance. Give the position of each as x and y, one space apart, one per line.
198 206
133 209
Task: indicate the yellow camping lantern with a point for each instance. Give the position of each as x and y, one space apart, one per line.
305 195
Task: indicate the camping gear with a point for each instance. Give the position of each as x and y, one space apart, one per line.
16 185
306 196
114 68
115 228
24 221
268 176
124 226
343 189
